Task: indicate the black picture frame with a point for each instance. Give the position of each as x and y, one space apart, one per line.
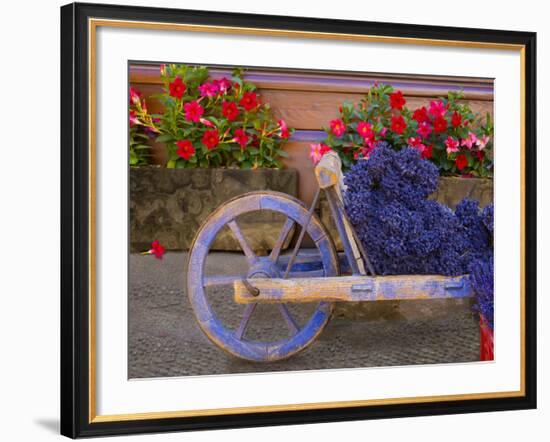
75 221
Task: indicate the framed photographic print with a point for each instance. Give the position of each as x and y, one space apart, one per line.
274 220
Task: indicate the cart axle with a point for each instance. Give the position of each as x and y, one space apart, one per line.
352 288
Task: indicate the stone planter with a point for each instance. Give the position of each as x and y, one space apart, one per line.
170 204
450 191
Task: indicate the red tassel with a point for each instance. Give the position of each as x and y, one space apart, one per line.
486 350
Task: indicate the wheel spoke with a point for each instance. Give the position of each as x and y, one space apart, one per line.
239 333
250 255
213 281
292 325
276 251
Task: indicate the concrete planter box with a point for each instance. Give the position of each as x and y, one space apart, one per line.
450 191
170 204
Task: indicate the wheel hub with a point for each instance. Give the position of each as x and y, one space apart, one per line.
264 268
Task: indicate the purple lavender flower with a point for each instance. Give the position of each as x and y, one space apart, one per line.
405 233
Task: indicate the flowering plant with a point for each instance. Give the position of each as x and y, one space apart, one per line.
406 233
141 129
217 122
447 132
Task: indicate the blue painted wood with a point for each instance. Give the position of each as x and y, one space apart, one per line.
338 218
215 330
356 288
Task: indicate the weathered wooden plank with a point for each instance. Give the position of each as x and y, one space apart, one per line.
308 110
354 288
314 110
315 80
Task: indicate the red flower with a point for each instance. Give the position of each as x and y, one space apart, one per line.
456 119
210 139
364 129
193 111
461 161
230 110
440 125
185 149
479 154
428 151
177 88
240 137
284 129
157 249
337 127
398 124
421 114
397 101
249 100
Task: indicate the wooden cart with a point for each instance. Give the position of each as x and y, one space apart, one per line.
286 280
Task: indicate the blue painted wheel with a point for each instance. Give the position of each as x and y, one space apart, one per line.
232 331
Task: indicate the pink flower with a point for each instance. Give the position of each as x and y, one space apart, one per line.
437 108
364 129
424 129
365 151
417 144
482 142
383 131
337 127
469 141
207 123
284 129
317 151
223 85
193 111
156 249
135 96
209 90
451 144
133 119
241 137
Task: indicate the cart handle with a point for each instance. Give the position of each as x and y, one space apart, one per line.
329 171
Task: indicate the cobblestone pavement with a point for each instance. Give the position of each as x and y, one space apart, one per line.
165 340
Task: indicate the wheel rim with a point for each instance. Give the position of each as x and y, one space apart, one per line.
234 340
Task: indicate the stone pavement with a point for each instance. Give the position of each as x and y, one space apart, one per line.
165 340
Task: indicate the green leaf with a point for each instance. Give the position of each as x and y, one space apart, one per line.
171 164
165 138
